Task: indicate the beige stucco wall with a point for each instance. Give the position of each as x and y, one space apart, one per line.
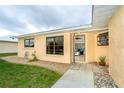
40 48
101 50
8 47
92 50
116 49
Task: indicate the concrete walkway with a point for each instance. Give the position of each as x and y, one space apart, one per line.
78 76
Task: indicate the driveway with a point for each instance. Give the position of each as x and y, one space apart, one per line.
78 76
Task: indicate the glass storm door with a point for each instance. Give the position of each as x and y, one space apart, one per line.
79 48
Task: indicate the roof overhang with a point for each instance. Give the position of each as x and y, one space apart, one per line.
102 14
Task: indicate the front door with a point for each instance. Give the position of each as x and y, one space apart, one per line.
79 48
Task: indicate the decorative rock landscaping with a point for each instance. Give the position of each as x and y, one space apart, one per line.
102 79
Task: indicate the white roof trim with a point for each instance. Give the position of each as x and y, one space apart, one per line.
94 29
56 31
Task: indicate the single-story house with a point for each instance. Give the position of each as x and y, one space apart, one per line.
8 46
83 44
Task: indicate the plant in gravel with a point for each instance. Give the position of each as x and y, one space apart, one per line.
34 57
102 60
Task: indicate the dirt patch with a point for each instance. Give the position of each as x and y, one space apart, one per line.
57 67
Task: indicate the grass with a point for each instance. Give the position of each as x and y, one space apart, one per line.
25 76
7 54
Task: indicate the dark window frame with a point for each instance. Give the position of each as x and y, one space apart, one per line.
55 46
29 44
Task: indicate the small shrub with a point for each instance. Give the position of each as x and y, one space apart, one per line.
34 57
102 60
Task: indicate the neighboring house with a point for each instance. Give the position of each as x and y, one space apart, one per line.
104 37
8 46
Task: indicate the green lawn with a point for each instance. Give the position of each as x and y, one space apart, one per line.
7 54
25 76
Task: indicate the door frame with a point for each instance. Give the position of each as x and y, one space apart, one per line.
73 44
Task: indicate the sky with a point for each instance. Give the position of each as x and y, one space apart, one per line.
17 20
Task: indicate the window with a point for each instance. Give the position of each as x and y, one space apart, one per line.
29 42
102 39
55 45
